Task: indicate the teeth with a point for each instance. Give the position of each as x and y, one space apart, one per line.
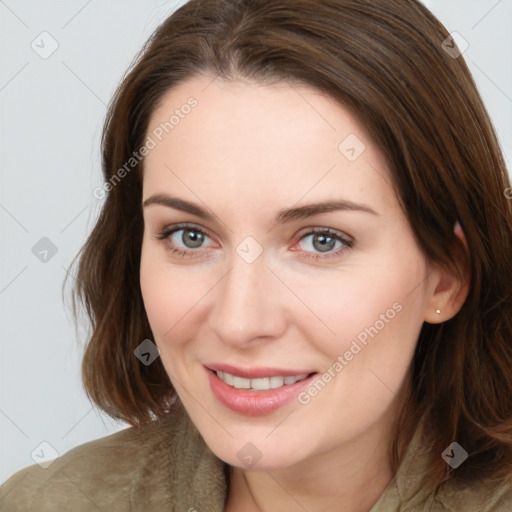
241 383
260 384
276 382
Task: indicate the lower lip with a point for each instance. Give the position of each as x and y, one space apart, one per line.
255 403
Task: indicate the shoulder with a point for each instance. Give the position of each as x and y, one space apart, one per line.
136 469
410 491
482 496
77 474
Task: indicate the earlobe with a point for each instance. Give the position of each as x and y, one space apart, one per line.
449 289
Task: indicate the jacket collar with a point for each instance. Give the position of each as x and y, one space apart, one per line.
179 472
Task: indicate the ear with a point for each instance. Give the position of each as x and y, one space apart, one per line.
449 291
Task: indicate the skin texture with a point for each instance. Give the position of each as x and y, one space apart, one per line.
245 152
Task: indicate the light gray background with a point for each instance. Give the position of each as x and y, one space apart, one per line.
52 111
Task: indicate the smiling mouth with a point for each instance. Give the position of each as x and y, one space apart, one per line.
259 384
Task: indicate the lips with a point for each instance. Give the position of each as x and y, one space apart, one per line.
256 391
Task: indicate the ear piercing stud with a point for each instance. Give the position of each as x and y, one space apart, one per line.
438 311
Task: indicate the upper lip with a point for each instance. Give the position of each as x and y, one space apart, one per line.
256 373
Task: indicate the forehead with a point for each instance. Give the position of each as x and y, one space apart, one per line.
262 143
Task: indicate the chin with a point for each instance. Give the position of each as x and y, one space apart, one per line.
253 447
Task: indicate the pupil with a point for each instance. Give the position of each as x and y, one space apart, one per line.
326 243
192 238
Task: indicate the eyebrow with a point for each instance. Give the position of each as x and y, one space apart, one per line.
283 216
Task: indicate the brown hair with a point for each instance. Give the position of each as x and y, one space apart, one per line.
385 61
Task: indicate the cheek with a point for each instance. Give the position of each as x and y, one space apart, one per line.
377 321
174 299
168 295
380 305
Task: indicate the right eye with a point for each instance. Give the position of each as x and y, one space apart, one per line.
183 240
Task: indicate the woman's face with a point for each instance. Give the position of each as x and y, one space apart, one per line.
274 246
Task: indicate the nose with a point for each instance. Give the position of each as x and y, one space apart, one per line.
248 308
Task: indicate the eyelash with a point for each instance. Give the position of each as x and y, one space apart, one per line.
165 234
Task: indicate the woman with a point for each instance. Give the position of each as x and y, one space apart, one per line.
299 283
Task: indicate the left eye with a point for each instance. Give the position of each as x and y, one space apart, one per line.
322 242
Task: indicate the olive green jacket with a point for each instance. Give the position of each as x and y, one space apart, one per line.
166 466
